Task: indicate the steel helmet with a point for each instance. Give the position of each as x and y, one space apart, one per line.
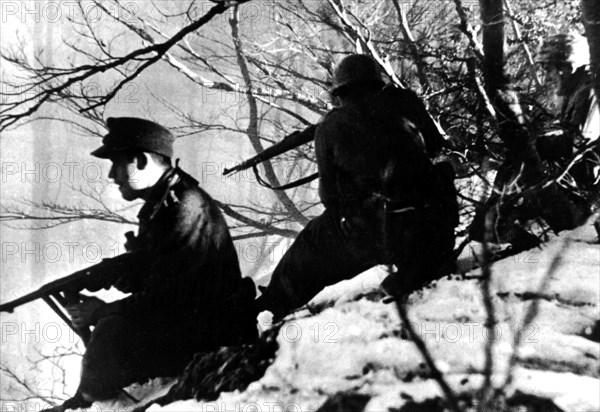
353 69
560 49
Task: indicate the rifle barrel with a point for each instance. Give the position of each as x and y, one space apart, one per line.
47 289
93 278
291 141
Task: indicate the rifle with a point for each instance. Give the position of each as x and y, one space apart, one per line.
291 141
65 291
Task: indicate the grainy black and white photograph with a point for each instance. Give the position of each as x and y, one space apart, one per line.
300 205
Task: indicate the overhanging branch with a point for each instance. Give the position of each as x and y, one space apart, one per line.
68 77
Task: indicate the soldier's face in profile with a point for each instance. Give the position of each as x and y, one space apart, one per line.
126 174
557 76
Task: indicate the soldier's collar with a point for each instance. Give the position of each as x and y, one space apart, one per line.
159 193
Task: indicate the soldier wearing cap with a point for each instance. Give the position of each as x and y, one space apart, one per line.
187 293
385 202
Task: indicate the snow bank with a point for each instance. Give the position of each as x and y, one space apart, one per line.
356 345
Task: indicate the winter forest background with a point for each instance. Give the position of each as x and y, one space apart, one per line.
228 85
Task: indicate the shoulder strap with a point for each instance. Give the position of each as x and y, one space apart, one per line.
290 185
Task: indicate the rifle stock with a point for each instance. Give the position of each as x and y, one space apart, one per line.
291 141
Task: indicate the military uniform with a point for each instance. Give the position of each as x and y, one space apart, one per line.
579 117
372 157
580 111
563 206
187 293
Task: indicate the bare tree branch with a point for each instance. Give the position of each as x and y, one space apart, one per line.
519 38
408 36
252 130
469 31
67 77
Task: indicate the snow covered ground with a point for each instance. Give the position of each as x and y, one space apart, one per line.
357 347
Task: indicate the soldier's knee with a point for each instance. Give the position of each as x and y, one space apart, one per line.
96 386
106 336
110 354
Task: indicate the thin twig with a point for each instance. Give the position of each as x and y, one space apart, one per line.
408 37
533 309
490 324
78 74
519 38
253 125
469 31
435 372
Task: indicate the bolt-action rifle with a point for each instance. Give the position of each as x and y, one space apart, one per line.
65 291
298 138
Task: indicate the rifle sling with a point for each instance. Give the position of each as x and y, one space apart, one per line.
59 312
83 333
290 185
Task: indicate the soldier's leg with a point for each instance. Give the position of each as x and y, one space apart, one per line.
110 359
320 256
122 352
422 247
166 351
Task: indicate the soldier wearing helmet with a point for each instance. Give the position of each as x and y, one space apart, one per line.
562 55
353 72
358 75
565 58
385 202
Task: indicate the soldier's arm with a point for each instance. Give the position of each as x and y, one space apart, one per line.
396 102
325 146
185 244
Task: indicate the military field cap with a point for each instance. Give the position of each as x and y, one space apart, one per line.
126 133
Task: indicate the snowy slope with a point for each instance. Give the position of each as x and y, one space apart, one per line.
355 352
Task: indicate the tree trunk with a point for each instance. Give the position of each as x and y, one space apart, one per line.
492 19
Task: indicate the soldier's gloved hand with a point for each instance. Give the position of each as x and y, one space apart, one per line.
132 241
82 314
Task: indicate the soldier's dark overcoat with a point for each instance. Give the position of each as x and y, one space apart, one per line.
187 293
367 153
